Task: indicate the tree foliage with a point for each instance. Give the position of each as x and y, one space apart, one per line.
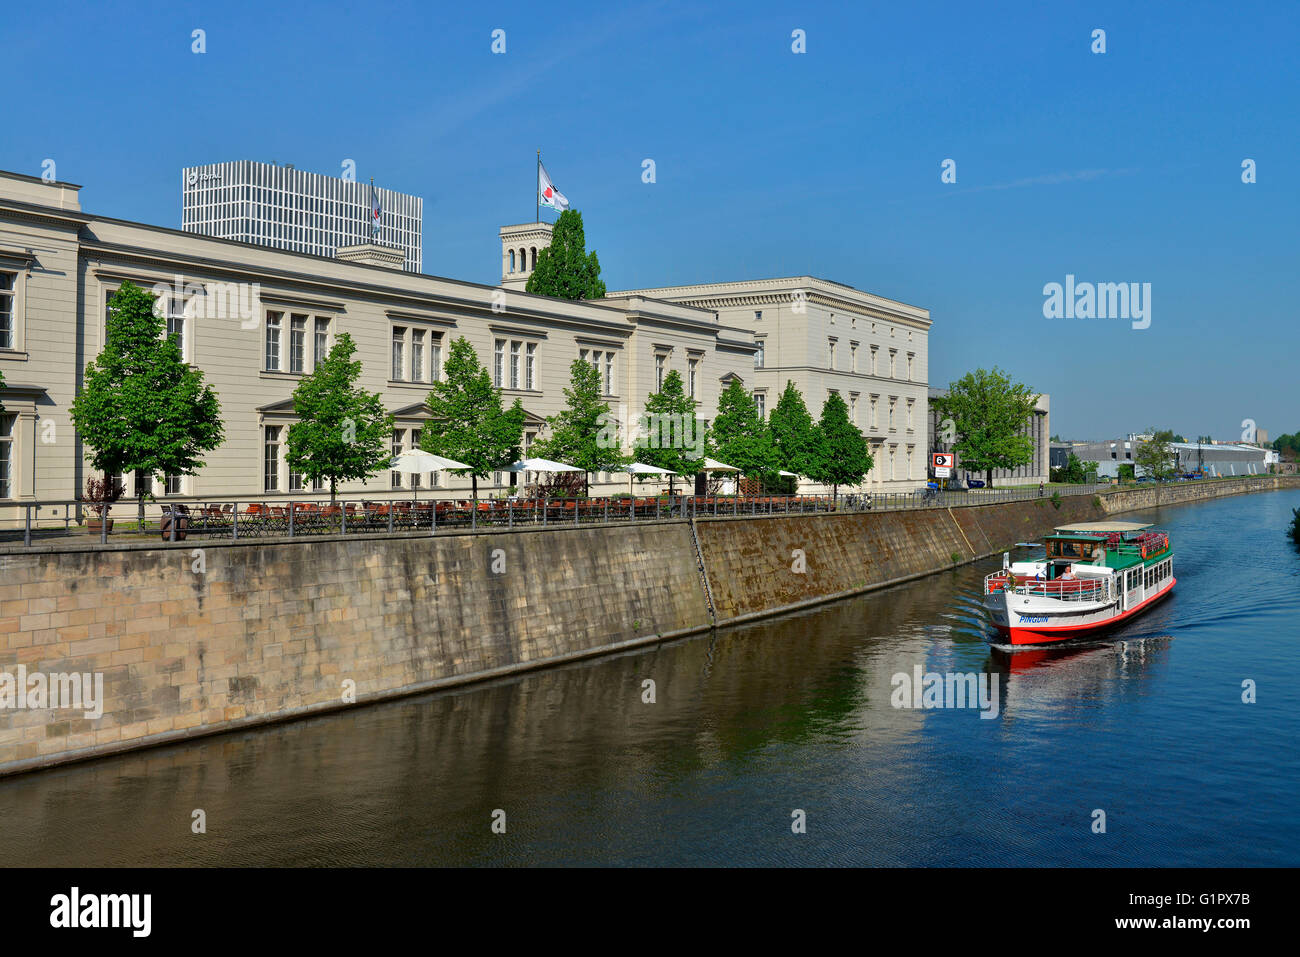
142 407
670 435
583 433
564 268
1155 456
738 435
989 412
794 437
468 422
343 431
844 457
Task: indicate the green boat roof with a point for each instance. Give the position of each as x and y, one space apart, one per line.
1122 561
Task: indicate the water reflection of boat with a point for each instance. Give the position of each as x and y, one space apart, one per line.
1080 672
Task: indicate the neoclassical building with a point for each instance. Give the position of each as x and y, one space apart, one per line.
256 319
828 337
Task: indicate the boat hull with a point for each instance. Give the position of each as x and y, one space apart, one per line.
1040 629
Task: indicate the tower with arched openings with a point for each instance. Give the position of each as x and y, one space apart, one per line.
520 247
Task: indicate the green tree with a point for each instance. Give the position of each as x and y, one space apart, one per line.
989 413
343 431
794 437
844 459
1125 472
1155 456
671 437
583 433
468 422
142 407
739 436
564 268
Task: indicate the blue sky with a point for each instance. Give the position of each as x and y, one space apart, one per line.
1115 167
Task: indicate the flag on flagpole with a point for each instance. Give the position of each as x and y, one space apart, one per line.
547 194
375 209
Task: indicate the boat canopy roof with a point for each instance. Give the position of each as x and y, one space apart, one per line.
1104 527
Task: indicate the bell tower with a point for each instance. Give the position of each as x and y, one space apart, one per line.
520 247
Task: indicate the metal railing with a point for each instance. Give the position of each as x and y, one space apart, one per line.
1073 589
183 518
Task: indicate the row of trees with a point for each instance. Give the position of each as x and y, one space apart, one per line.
144 409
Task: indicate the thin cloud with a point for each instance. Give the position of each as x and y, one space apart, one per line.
1047 179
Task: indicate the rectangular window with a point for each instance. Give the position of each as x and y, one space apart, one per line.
399 352
297 481
911 358
7 455
830 353
417 355
759 356
909 415
892 403
893 362
693 368
530 366
176 323
659 372
172 485
853 357
853 409
609 373
872 422
322 349
760 401
297 342
7 282
515 348
271 460
435 359
758 315
874 352
395 478
499 364
273 341
415 444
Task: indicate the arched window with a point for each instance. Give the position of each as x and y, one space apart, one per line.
512 260
534 266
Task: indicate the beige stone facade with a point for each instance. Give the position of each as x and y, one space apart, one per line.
827 337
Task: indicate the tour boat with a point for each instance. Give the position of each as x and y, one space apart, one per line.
1093 576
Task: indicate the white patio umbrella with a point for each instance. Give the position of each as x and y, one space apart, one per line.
713 465
418 461
540 465
637 468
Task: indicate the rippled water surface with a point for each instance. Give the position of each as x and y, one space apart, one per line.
752 723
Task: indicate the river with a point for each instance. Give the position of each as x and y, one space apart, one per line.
752 725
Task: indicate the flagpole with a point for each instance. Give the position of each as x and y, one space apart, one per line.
536 185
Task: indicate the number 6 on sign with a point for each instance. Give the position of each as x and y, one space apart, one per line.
943 463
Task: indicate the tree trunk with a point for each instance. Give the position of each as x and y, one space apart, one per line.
140 508
988 477
334 486
586 485
474 482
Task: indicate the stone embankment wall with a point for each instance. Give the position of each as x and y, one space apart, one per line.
198 639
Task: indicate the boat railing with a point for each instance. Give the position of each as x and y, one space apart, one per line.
1064 589
1145 545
